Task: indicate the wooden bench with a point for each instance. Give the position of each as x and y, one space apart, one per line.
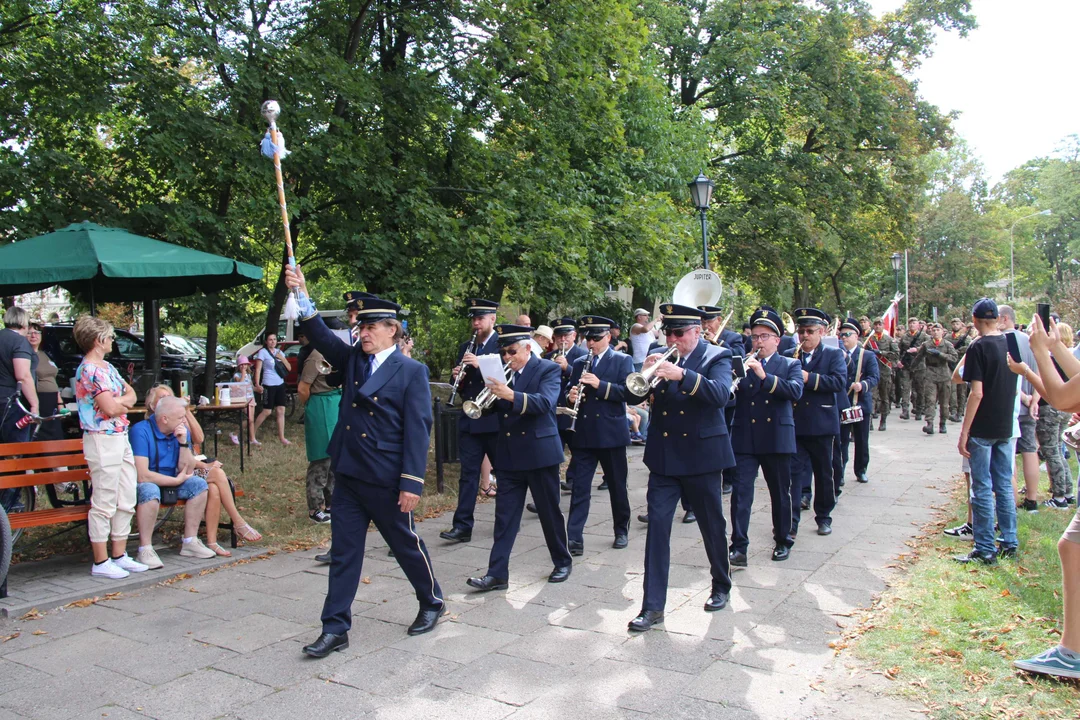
45 460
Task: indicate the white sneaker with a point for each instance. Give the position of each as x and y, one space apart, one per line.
109 569
126 563
196 549
149 558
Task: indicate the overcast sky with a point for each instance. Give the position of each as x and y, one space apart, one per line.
1013 79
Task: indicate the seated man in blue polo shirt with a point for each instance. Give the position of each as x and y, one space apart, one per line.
163 459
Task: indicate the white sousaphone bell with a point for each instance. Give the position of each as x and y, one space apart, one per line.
696 288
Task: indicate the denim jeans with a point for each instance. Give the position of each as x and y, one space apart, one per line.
992 488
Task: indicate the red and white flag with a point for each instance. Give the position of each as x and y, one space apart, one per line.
891 318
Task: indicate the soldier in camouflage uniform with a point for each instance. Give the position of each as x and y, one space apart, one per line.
958 395
888 352
939 357
908 344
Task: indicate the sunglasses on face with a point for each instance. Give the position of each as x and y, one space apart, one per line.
846 334
807 330
677 332
508 352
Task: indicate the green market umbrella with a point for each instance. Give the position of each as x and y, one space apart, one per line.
106 264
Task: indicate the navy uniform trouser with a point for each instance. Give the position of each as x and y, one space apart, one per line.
356 503
777 471
860 433
543 483
706 497
813 463
729 473
571 467
613 461
472 447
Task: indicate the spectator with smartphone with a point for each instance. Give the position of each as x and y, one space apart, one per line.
986 438
1027 444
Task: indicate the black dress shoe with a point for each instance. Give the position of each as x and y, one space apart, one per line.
861 477
646 620
727 488
824 528
689 517
456 535
488 583
565 487
389 553
840 482
323 558
737 558
644 517
976 556
559 574
620 542
531 507
426 619
602 486
576 549
805 503
780 553
326 644
717 601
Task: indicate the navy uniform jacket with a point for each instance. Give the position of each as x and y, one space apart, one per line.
384 423
602 420
687 431
472 384
787 342
816 412
764 421
869 379
732 340
528 436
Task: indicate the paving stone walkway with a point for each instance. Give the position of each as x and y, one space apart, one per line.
227 643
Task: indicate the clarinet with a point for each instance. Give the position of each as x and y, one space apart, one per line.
581 391
471 348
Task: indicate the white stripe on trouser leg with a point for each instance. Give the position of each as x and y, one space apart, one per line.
420 548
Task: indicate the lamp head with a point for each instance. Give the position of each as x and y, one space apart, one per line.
701 190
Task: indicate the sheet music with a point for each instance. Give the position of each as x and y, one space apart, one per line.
491 368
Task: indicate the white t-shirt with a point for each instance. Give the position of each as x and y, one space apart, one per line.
639 345
270 378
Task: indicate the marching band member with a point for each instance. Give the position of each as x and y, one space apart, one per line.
476 438
686 451
601 433
817 419
733 341
862 377
564 352
764 435
527 456
378 452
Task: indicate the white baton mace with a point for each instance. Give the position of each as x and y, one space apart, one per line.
273 146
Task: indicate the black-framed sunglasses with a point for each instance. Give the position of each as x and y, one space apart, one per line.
677 332
508 352
849 333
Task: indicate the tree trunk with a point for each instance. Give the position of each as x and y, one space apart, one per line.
211 345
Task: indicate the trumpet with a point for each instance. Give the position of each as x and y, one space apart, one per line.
580 394
471 348
640 383
324 367
484 399
735 382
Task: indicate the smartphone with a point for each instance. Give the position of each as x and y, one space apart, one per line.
1043 311
1014 346
737 367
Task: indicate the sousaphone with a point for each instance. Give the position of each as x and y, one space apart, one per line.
696 288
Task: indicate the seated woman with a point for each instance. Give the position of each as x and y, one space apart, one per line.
220 494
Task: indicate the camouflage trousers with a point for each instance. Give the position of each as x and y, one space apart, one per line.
320 484
883 396
1048 429
909 390
935 395
958 396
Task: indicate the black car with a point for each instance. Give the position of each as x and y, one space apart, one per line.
128 356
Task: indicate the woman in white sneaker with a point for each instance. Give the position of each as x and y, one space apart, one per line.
104 399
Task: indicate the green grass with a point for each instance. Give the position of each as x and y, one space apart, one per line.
947 634
274 499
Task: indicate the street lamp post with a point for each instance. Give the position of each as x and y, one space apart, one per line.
896 260
1012 279
701 190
